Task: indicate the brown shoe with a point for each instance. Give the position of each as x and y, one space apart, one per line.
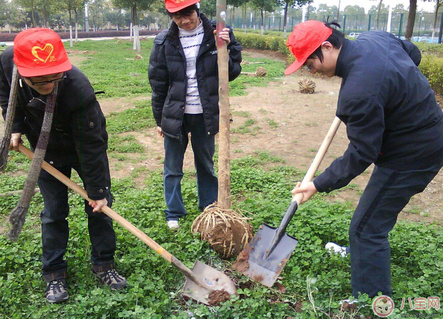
56 291
111 278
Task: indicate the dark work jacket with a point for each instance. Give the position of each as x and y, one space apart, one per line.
78 133
391 115
167 76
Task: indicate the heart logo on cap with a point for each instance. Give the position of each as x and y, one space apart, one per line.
43 54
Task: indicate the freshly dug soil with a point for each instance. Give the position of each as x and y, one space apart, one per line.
216 297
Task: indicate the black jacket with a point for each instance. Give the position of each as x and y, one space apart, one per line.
391 115
167 75
78 133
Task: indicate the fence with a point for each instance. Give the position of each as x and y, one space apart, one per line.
423 27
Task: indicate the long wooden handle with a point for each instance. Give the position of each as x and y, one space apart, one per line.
107 210
5 141
119 219
319 157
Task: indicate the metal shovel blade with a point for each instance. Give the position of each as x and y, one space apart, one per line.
254 262
211 279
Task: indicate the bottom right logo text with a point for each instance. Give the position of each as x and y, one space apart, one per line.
383 306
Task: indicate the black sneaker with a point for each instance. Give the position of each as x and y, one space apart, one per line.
56 291
111 278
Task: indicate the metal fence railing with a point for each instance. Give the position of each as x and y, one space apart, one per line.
351 24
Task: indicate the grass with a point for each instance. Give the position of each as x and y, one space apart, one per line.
242 113
110 66
246 127
273 124
260 192
315 282
125 144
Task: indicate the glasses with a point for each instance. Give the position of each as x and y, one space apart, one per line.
308 67
43 83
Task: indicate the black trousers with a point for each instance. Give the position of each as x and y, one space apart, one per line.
387 193
55 230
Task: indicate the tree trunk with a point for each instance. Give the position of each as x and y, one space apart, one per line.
70 28
262 27
33 18
378 13
338 11
224 169
437 6
411 19
135 24
285 19
245 18
76 25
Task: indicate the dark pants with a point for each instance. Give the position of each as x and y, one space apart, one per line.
55 231
387 193
203 146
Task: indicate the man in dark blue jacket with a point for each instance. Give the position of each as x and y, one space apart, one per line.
392 120
77 140
183 73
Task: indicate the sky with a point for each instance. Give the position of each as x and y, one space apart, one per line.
367 4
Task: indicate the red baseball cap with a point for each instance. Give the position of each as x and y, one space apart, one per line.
177 5
304 40
40 52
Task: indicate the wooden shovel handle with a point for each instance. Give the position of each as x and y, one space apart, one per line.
107 210
319 157
119 219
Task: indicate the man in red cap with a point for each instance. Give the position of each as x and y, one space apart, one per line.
183 73
392 120
77 139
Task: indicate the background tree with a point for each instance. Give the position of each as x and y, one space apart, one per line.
378 14
29 6
354 15
238 4
311 12
59 21
438 4
96 10
411 19
326 13
135 6
243 4
15 15
3 8
72 7
378 11
263 6
399 8
354 10
117 17
286 4
208 7
46 8
161 18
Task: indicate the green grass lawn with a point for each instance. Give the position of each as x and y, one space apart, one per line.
314 281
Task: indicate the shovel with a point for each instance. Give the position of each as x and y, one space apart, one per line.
264 258
200 281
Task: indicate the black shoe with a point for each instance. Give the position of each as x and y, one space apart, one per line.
56 291
111 278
